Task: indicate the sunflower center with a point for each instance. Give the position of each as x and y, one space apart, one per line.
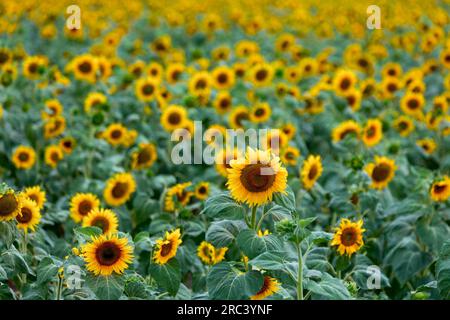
260 112
3 57
261 75
166 248
351 100
313 172
265 286
222 78
101 223
148 89
413 104
381 172
241 117
32 68
25 216
107 254
349 237
85 207
256 178
392 87
119 190
201 84
23 156
85 67
144 156
363 63
33 197
439 188
345 84
55 157
8 204
202 190
224 103
370 133
116 134
347 132
176 75
174 118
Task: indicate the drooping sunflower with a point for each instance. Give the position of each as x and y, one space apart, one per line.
348 237
261 112
29 215
53 108
10 205
144 157
428 145
223 159
173 117
67 144
107 254
119 189
223 102
178 194
270 286
412 103
237 116
104 219
440 190
311 171
404 125
202 190
81 204
344 129
94 100
54 127
381 172
85 67
24 157
373 132
166 248
343 81
261 74
146 89
35 194
290 155
255 178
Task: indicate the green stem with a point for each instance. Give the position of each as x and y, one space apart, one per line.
59 288
253 222
300 273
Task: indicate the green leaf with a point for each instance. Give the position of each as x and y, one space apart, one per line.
252 245
8 233
87 233
364 269
278 212
286 200
135 289
3 274
168 275
227 283
328 288
274 260
223 233
46 270
224 207
433 235
106 288
16 261
443 271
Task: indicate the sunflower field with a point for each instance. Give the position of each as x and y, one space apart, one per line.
352 202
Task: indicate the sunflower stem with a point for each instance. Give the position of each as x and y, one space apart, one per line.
300 273
253 222
59 288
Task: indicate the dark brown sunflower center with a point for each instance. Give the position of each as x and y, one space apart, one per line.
174 118
439 188
242 116
392 87
108 254
67 144
345 83
119 190
176 75
166 248
224 103
349 237
202 190
222 78
392 72
55 156
260 112
116 134
313 172
34 197
84 207
261 75
85 67
413 104
201 84
101 223
33 67
289 156
257 177
144 156
351 99
25 216
148 89
370 133
347 132
381 172
8 204
265 286
363 63
3 57
23 156
403 126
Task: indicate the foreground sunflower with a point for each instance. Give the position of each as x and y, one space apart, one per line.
348 237
270 286
36 194
311 171
81 204
10 205
381 172
29 215
255 178
119 188
24 157
104 219
166 248
440 190
107 254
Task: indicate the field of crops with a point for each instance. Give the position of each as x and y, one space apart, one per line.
115 182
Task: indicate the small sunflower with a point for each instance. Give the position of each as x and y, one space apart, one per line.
348 237
290 155
344 129
94 100
389 86
261 74
85 67
404 125
353 97
119 189
53 155
67 144
53 108
54 127
178 194
223 77
209 254
146 89
381 172
173 117
440 190
174 72
373 132
144 157
343 81
32 67
29 215
104 219
81 204
289 130
166 248
311 171
115 134
107 254
237 116
412 103
10 205
200 82
260 113
270 286
255 178
36 194
202 190
428 145
24 157
223 102
215 131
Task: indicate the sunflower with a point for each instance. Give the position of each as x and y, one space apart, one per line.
24 157
239 70
200 82
32 67
10 205
389 86
308 67
174 72
270 286
412 103
284 42
289 130
29 215
115 134
155 70
144 157
343 81
404 125
223 77
5 56
146 89
353 97
119 188
81 204
440 190
292 74
392 69
85 67
381 172
215 131
178 194
67 144
255 178
173 117
223 159
428 145
210 255
260 112
261 75
106 254
94 100
137 68
54 127
237 116
104 219
53 108
368 87
262 233
202 190
290 155
348 237
275 140
223 102
311 171
344 129
36 194
53 155
373 132
166 248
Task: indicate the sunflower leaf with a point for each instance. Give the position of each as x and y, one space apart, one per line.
223 233
168 275
224 207
443 271
252 245
106 287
